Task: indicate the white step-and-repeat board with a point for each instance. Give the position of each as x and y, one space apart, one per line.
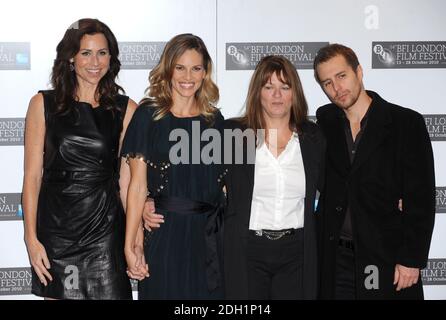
401 45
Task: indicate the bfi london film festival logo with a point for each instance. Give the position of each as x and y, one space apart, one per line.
15 281
11 206
408 54
12 131
15 56
440 199
435 272
436 126
140 55
246 55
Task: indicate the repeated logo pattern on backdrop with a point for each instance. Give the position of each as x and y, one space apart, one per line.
15 56
10 206
239 50
140 55
435 272
440 199
12 131
15 281
408 54
436 126
246 55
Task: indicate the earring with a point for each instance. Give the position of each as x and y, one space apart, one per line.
71 66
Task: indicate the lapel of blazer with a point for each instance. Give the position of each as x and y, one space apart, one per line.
249 170
337 150
306 141
377 129
244 175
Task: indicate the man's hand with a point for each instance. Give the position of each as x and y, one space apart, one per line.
151 219
405 277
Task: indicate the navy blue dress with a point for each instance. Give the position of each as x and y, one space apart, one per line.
184 253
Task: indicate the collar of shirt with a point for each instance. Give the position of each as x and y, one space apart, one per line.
286 154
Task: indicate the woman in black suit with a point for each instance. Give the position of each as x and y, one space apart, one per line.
270 247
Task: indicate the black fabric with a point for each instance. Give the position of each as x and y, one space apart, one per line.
275 267
177 252
80 218
345 273
150 139
352 146
394 160
213 224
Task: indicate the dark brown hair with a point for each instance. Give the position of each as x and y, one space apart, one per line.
285 72
64 80
332 50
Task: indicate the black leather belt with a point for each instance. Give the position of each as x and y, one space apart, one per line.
349 244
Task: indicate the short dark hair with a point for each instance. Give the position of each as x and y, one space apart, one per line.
332 50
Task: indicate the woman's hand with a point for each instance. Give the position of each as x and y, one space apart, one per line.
137 267
39 260
152 220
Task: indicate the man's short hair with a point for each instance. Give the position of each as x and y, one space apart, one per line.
332 50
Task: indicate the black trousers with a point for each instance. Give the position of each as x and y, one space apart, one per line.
345 288
275 267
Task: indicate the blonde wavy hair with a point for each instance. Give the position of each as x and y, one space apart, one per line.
159 93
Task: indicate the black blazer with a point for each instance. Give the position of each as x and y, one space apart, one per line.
394 160
239 185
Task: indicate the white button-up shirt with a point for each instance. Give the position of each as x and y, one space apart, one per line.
278 198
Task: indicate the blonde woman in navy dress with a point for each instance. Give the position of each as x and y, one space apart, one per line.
183 255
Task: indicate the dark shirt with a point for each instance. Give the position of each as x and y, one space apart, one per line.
352 147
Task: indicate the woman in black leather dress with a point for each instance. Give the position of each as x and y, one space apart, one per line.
74 217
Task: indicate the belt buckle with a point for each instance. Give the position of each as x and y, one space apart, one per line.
271 235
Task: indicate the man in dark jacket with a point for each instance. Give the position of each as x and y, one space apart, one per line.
377 154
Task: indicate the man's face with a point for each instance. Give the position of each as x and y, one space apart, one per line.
340 82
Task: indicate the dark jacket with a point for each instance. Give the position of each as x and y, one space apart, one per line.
393 161
239 184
